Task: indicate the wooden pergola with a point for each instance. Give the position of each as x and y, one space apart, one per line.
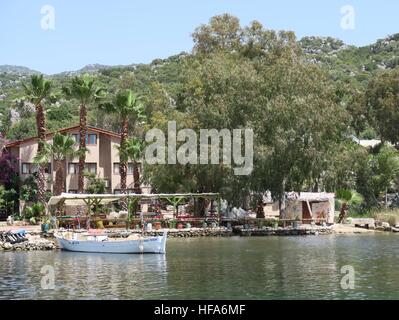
89 200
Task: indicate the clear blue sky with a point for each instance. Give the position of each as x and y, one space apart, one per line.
123 32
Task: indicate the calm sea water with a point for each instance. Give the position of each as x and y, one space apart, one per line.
222 268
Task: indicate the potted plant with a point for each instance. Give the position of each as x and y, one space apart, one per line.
32 221
172 224
45 224
157 224
296 222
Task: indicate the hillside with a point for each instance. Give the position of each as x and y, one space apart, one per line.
345 63
350 63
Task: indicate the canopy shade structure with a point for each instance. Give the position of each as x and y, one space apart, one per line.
73 199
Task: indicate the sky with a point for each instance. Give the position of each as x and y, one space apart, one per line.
123 32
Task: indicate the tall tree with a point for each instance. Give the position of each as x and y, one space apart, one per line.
133 150
130 108
223 32
84 90
382 98
37 91
297 126
61 148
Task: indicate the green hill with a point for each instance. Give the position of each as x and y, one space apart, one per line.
345 64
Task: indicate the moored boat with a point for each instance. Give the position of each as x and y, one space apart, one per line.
100 243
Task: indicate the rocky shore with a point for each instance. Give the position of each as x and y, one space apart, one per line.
32 243
38 241
190 233
300 231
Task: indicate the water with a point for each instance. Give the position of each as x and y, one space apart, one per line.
221 268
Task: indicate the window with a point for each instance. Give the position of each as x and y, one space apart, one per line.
91 139
48 168
75 136
34 168
117 191
130 168
91 167
73 168
26 168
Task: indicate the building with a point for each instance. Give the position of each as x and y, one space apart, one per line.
102 159
310 207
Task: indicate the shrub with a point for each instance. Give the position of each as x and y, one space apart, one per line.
34 211
393 220
386 215
172 224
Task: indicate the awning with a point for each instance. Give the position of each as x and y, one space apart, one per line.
73 199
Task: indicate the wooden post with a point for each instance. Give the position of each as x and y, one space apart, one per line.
88 203
219 205
309 208
128 213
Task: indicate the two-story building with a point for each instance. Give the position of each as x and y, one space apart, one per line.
102 159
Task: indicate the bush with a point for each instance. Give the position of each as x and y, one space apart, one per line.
386 215
271 223
172 224
393 220
34 211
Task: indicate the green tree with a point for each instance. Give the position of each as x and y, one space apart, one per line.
37 91
133 149
8 200
24 128
84 90
222 33
297 127
95 185
347 198
382 99
61 148
130 109
377 173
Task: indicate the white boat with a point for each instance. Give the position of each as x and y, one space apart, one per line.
86 242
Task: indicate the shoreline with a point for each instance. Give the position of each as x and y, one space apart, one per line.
39 241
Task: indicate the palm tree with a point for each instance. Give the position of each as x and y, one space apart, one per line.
129 107
61 148
133 150
347 198
83 89
38 90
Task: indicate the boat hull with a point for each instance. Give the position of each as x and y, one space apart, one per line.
146 245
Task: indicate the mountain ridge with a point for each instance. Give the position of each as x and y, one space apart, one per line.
313 46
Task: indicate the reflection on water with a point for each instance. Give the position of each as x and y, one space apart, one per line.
245 268
82 275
